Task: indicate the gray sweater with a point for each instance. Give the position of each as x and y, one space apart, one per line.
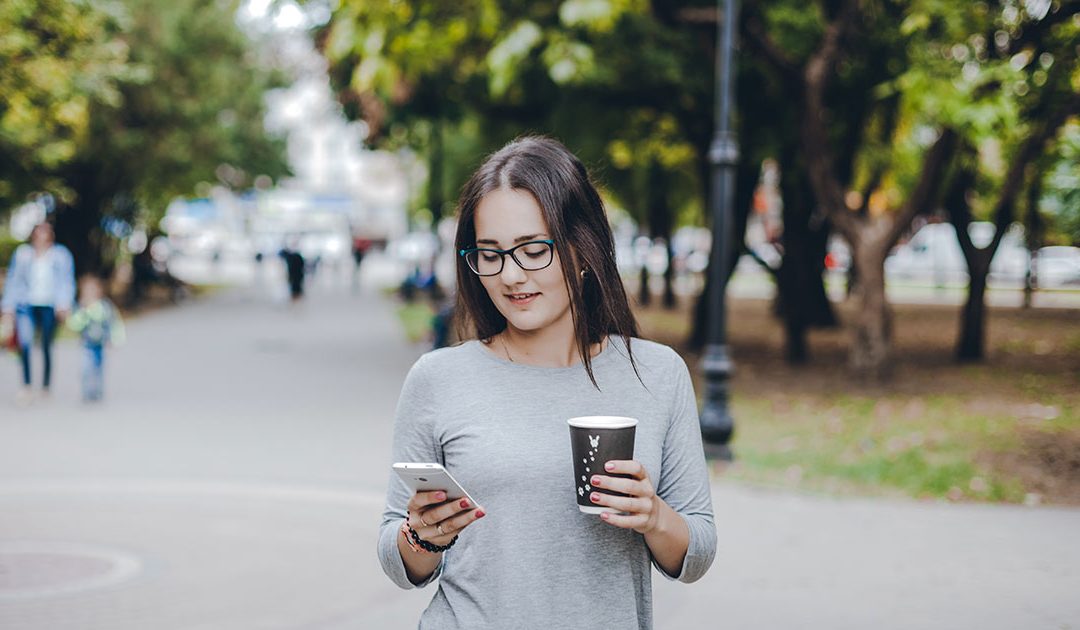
534 560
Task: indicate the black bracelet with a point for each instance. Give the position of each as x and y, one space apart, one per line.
433 548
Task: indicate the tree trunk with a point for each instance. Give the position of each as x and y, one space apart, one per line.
872 325
971 344
801 298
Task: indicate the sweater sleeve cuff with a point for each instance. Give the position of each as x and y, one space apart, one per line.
699 553
392 563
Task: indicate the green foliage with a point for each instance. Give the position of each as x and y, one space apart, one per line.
117 106
198 107
1061 189
497 70
57 58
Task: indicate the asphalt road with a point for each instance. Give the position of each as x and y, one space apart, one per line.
233 479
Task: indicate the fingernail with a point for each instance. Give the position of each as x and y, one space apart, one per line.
464 503
594 497
609 466
479 514
596 481
440 496
605 516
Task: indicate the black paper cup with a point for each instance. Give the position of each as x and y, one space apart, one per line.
594 441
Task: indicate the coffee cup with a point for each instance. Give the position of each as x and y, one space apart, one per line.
594 441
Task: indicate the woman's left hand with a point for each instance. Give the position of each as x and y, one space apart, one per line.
641 510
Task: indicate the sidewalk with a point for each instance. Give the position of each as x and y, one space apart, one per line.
233 479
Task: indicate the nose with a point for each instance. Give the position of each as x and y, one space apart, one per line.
511 273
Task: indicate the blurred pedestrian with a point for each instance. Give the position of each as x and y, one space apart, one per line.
99 325
38 294
294 268
540 292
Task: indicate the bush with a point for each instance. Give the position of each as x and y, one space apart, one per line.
8 244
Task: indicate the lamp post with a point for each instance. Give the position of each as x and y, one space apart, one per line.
717 424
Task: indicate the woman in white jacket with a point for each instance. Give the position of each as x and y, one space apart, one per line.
38 295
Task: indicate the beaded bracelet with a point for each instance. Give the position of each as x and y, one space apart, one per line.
405 529
432 547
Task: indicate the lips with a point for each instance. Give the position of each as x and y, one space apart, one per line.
520 299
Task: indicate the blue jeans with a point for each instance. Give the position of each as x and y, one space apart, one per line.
27 320
93 376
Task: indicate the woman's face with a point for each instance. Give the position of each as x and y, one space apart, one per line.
529 300
42 236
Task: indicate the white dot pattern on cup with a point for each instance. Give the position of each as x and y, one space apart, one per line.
594 441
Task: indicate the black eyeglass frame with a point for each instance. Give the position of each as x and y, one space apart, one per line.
502 256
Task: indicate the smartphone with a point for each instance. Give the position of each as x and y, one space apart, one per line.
425 477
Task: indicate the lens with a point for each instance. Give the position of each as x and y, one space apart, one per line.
484 262
533 256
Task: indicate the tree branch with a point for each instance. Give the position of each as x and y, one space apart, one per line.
820 165
1032 147
934 163
760 41
956 204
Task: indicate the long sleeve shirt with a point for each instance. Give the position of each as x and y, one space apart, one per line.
535 560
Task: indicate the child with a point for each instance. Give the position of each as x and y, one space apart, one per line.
98 323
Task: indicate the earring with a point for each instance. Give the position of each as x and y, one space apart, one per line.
584 272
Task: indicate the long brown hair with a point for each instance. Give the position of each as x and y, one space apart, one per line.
576 221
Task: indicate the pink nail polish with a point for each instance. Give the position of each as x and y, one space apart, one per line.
594 497
596 481
479 514
609 466
464 503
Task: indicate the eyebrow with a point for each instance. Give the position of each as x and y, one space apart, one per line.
520 239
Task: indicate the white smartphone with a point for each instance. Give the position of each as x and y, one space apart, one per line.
425 477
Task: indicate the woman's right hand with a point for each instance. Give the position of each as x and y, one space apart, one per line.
437 520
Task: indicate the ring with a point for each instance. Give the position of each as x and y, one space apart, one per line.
439 529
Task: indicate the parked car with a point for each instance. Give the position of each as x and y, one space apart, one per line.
934 254
1058 266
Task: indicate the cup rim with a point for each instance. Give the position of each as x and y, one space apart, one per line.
602 422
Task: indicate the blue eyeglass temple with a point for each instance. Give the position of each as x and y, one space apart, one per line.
462 252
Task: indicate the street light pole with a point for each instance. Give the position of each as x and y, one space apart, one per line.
717 425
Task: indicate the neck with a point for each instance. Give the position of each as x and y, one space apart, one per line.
554 346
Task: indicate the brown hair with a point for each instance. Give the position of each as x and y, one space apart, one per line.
574 214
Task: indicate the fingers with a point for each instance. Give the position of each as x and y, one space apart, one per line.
633 487
626 467
626 521
421 500
436 520
633 505
448 528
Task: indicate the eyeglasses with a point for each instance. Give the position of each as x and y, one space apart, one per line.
534 256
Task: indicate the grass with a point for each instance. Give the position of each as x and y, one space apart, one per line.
415 318
1000 431
1005 430
889 445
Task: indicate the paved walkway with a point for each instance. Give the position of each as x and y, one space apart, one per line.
233 480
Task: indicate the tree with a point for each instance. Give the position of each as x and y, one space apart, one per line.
56 59
189 110
1032 63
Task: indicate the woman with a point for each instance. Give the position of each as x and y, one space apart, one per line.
538 284
38 294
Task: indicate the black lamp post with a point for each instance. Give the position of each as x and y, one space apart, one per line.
717 424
